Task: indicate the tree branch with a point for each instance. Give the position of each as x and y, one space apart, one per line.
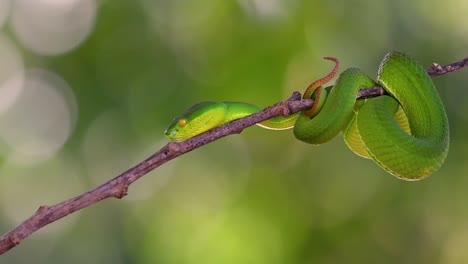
118 186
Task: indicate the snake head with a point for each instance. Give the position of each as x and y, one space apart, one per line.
172 132
197 119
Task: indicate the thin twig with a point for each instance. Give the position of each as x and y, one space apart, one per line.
118 186
436 69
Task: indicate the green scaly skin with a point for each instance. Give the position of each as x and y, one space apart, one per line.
406 132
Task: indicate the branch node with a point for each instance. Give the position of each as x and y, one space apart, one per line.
14 239
285 110
121 191
42 209
174 147
296 96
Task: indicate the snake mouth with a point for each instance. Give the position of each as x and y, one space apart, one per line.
172 135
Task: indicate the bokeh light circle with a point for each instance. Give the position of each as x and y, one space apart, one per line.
41 118
51 27
10 64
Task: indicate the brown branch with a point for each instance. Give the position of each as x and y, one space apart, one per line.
118 186
436 69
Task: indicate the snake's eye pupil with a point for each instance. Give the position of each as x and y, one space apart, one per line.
182 122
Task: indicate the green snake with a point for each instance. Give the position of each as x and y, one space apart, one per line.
405 132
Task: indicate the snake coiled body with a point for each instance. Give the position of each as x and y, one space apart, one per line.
405 132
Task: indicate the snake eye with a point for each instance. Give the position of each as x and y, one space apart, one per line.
182 122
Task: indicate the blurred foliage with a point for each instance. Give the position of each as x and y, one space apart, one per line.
258 197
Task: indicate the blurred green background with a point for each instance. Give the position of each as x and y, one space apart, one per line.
87 88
